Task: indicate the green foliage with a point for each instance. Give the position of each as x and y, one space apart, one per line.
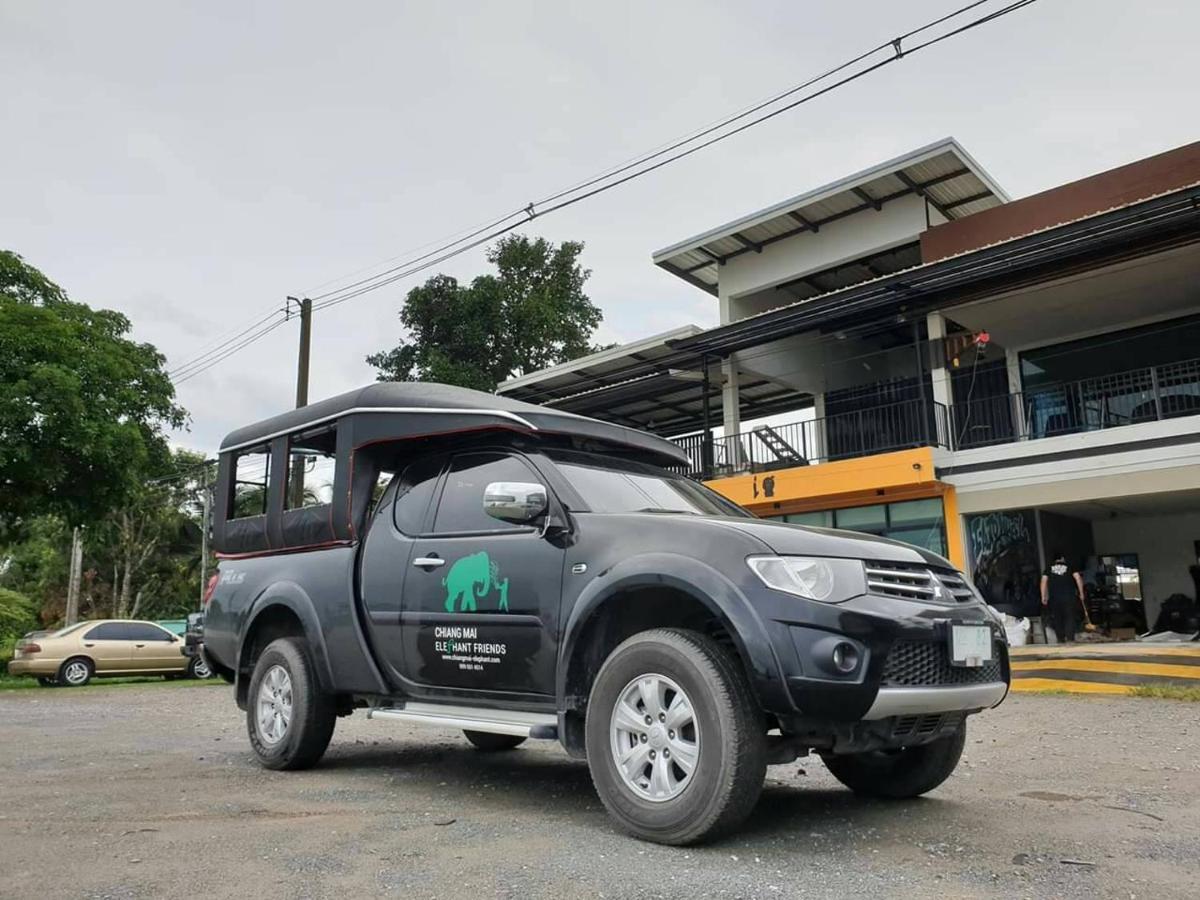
18 615
83 408
531 314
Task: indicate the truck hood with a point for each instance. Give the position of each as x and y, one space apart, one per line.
802 540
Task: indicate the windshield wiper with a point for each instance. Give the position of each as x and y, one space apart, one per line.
664 510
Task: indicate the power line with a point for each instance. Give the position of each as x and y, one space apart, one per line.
195 361
638 169
615 177
258 335
675 144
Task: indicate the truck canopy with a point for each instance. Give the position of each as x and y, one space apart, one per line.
306 477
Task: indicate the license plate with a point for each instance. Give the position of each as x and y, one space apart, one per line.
970 645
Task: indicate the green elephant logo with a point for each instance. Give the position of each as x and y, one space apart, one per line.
473 578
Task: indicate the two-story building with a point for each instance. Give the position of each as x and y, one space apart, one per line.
909 352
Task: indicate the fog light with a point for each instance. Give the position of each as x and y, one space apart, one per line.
845 657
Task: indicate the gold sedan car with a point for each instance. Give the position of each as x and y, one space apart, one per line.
74 655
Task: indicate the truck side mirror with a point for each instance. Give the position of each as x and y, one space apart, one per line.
518 502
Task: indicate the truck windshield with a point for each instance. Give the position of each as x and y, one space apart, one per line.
616 486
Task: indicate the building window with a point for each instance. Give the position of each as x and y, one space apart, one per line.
921 523
822 518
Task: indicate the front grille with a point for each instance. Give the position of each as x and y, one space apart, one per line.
927 663
910 581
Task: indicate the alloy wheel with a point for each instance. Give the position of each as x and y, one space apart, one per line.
655 738
76 673
274 705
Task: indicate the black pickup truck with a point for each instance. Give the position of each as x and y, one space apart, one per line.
437 555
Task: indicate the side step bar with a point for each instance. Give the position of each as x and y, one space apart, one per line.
542 726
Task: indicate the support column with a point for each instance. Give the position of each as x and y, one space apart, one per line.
817 452
1012 361
731 405
926 408
939 376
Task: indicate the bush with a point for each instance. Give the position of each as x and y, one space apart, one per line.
17 616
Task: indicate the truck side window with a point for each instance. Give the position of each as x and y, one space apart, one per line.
461 506
252 470
311 468
414 493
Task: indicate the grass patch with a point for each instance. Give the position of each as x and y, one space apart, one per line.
10 683
1167 692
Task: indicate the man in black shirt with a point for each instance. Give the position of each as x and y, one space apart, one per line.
1062 598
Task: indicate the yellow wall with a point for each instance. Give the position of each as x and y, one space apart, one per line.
882 478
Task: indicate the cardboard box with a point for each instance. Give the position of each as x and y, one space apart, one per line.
1122 634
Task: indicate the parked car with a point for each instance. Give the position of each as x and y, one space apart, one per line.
529 573
74 655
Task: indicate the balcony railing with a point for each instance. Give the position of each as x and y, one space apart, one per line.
1110 401
880 429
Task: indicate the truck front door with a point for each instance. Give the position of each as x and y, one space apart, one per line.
480 604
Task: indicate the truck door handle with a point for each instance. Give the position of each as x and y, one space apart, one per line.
428 562
139 645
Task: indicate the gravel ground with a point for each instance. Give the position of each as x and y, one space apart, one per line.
150 791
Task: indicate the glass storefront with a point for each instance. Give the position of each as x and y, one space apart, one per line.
918 522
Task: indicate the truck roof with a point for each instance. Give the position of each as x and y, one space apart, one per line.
419 408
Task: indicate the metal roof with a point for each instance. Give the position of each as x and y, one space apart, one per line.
592 371
662 399
943 173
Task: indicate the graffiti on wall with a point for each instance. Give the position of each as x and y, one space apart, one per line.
1004 558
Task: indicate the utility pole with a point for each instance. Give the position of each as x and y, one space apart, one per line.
296 485
74 578
305 347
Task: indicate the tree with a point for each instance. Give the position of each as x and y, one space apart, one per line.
142 560
151 544
83 409
531 314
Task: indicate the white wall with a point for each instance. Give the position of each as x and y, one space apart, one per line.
900 221
1080 473
1165 547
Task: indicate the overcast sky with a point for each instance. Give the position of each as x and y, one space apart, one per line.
191 164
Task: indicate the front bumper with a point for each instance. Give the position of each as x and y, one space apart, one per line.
35 666
903 649
915 701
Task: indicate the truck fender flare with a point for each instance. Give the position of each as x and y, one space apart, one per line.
290 596
697 579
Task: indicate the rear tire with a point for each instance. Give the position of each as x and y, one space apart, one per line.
198 668
493 743
899 774
76 672
289 718
701 708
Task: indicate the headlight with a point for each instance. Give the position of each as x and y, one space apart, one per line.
812 577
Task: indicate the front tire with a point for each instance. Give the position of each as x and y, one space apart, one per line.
76 672
289 718
493 743
899 774
675 739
